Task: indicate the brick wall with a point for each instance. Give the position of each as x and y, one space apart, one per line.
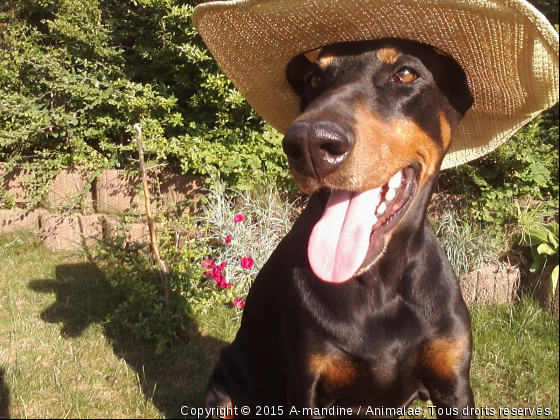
74 215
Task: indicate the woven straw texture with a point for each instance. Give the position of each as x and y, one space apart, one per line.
508 50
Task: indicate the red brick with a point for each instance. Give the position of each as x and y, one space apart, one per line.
71 233
69 188
14 220
180 189
116 193
14 183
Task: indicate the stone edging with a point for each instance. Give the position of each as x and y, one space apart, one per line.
112 193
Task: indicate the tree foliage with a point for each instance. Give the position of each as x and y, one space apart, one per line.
75 75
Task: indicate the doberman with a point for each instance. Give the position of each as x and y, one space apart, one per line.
358 312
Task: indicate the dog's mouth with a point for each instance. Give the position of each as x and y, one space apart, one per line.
350 235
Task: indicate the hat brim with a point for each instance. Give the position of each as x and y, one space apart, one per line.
508 50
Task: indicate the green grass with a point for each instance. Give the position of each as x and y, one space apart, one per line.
60 358
516 357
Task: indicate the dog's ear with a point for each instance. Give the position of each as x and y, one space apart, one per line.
460 96
296 72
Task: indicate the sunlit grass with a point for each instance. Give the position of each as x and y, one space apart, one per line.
60 358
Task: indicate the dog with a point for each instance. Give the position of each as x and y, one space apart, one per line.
358 307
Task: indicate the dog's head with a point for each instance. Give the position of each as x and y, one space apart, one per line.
377 119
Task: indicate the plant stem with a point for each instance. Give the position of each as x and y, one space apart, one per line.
163 270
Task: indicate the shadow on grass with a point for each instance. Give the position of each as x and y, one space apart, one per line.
4 397
177 378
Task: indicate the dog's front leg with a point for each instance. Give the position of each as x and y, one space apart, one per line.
453 400
445 364
452 396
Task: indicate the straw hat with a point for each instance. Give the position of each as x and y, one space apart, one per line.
507 48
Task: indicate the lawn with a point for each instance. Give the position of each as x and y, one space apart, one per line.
61 357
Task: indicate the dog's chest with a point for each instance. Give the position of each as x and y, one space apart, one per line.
339 381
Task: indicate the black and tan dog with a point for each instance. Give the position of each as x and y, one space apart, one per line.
358 306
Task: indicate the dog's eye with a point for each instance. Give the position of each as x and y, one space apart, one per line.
314 81
405 76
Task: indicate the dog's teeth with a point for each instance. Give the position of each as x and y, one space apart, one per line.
381 209
390 194
395 182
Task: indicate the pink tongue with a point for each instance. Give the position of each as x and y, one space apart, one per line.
339 241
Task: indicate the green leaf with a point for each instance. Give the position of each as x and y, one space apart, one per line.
546 249
554 279
487 217
553 234
538 236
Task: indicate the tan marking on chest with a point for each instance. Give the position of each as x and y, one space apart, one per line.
444 357
334 372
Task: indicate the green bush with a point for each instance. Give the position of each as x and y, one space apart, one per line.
524 169
133 273
75 75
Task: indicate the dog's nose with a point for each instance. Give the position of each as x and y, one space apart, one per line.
317 148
